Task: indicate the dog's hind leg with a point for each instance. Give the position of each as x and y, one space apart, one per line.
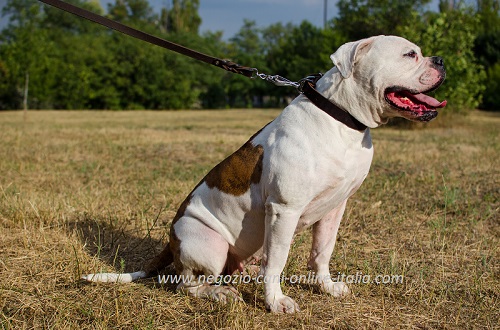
200 257
324 237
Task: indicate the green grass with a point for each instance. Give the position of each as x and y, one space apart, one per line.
89 191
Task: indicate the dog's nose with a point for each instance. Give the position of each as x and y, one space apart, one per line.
437 60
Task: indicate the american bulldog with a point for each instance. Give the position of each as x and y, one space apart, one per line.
296 172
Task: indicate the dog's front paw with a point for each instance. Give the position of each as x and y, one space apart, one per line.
336 289
283 304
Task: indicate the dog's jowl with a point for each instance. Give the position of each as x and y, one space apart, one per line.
297 172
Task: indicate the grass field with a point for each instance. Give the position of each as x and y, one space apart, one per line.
95 191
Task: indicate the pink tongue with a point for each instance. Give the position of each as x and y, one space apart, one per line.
426 99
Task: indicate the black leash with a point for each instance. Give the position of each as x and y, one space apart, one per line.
306 86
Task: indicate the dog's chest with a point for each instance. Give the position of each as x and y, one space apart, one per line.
336 187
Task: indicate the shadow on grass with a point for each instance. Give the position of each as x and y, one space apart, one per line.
129 250
124 249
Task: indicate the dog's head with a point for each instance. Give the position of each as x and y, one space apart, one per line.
389 76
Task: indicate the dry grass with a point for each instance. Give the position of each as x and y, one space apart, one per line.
89 191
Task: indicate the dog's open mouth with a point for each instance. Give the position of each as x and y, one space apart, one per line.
418 105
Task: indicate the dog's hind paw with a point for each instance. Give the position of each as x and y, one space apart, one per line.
220 293
284 304
223 294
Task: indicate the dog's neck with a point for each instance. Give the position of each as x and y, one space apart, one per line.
350 98
333 110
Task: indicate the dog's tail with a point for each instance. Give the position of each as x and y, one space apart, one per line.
115 277
158 263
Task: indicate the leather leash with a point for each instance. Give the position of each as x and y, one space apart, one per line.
305 86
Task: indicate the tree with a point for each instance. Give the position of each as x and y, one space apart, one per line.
246 48
131 11
183 16
22 46
487 50
75 64
360 19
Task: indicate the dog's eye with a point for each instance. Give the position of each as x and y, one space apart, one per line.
411 53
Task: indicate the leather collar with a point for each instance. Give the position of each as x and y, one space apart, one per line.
308 89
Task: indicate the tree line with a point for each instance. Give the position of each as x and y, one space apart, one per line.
54 60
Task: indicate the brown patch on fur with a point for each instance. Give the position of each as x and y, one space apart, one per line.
235 174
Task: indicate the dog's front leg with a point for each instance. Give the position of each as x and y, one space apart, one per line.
324 237
281 222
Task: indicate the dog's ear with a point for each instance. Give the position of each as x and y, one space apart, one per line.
345 57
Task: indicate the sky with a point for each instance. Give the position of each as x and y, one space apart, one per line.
228 15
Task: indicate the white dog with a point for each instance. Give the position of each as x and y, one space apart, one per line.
296 172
